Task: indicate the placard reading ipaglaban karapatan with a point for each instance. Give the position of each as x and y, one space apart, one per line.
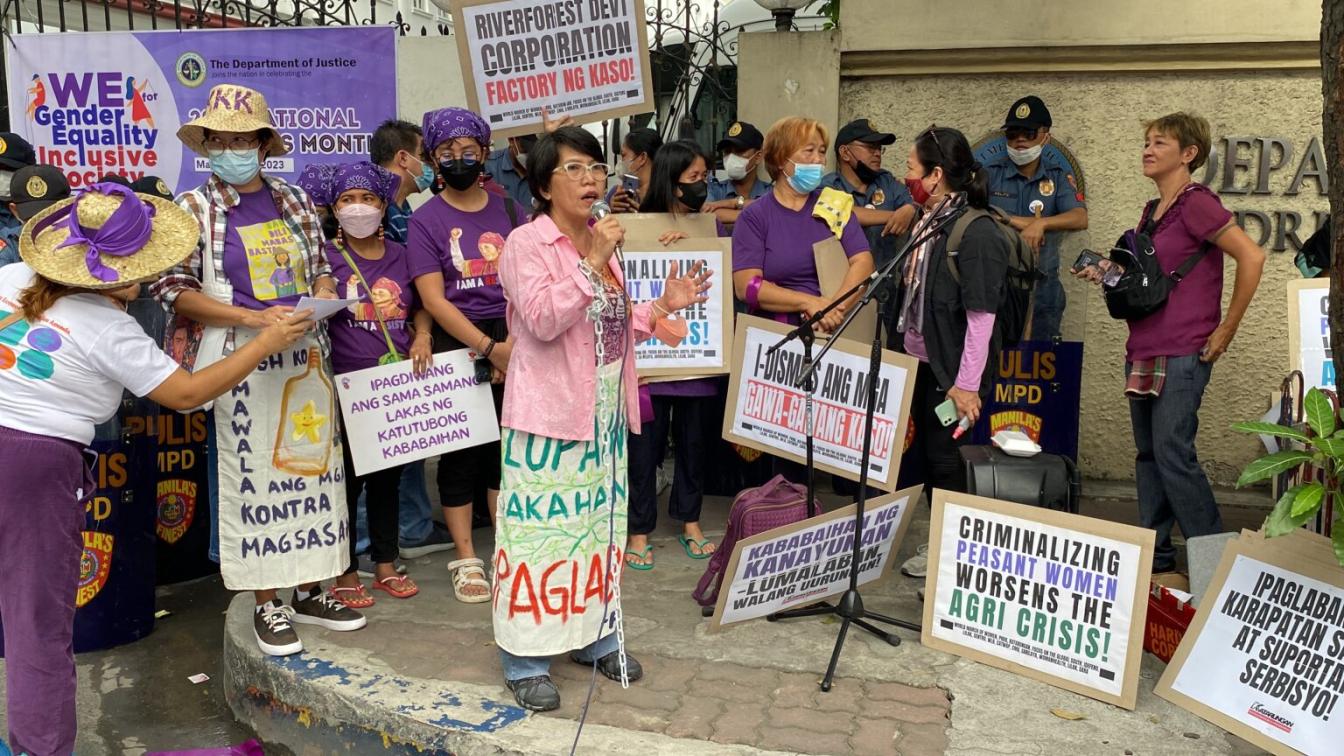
767 410
1053 596
584 58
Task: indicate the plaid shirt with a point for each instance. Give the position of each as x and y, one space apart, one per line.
210 204
1146 378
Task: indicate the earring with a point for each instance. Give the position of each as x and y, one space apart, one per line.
340 235
380 232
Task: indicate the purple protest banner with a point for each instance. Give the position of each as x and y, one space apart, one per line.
111 102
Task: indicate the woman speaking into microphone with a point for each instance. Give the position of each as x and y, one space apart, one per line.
568 404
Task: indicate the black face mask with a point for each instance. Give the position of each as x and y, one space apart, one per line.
693 195
459 175
864 173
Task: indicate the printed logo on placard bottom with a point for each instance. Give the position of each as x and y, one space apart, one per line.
94 565
191 69
1258 711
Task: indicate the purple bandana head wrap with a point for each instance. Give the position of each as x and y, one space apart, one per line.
365 175
315 181
124 233
450 123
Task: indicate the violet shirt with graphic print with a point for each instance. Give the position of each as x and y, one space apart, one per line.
465 248
261 257
356 339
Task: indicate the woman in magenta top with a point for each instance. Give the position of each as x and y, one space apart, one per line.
569 402
1170 354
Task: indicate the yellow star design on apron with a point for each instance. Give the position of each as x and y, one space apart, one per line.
307 421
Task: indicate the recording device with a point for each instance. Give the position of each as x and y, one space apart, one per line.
1111 272
630 183
946 412
1085 259
600 210
483 369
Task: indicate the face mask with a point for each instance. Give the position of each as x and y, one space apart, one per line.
459 174
522 159
917 191
359 221
1024 157
234 168
693 195
735 166
426 177
864 173
806 177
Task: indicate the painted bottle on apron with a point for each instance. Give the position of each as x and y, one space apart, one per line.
304 439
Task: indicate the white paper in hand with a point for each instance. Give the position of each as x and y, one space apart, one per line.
322 308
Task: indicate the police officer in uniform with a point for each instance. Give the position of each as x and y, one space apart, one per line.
508 168
741 150
15 153
882 204
1030 180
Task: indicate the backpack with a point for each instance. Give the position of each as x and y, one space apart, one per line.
775 503
1144 287
1013 318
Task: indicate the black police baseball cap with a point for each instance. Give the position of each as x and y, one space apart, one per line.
37 187
861 130
114 178
1029 112
15 152
741 136
152 185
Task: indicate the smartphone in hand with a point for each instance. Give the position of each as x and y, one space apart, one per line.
947 413
630 183
1085 259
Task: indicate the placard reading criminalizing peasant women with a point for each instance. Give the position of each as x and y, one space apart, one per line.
767 411
707 348
1309 331
1264 657
584 58
809 561
393 416
101 103
1049 595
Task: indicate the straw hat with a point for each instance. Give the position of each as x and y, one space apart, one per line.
231 107
152 237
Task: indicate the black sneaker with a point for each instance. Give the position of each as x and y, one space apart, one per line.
535 693
324 610
275 633
610 665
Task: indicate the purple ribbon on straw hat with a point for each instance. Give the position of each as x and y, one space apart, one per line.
124 233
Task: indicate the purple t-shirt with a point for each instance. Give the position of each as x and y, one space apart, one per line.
779 241
261 255
1194 308
465 248
356 339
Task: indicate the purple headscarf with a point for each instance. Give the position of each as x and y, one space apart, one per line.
365 175
450 123
315 181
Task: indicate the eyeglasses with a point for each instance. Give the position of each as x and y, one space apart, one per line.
238 144
468 155
576 171
1011 134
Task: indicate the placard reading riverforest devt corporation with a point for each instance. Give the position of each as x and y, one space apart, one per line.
393 416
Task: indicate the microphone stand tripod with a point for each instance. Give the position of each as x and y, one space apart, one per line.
879 287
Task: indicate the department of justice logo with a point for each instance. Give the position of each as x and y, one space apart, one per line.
191 69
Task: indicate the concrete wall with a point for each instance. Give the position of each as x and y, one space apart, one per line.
789 74
429 76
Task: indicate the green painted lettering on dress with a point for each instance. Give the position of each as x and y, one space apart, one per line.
558 507
536 461
509 461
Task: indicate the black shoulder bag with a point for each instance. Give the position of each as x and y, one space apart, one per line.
1144 287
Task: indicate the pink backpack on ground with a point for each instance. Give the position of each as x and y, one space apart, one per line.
768 506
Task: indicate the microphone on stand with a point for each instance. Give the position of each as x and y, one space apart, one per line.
597 212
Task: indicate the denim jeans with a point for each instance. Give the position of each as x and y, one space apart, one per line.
1172 486
522 667
414 515
1048 306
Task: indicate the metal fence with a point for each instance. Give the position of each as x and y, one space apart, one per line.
44 16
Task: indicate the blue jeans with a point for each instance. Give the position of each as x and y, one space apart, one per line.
522 667
414 515
1048 306
1172 486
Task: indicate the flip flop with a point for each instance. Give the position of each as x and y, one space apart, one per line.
354 598
398 586
686 542
647 553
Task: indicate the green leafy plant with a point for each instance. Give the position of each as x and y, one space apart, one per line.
831 10
1321 445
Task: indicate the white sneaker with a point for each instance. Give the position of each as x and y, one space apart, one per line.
917 566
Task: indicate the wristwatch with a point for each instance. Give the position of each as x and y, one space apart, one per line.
740 202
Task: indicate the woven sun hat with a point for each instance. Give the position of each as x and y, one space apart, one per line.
107 237
235 108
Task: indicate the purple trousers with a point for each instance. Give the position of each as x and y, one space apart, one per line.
43 484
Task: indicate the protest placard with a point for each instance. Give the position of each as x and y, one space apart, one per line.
1264 657
808 561
584 58
1048 595
647 227
1309 331
392 416
768 412
707 348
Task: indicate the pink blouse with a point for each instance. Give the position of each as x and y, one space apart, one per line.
552 385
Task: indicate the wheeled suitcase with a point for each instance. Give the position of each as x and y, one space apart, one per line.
1044 480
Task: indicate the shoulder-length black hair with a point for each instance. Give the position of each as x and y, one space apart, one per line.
644 142
671 161
544 158
939 146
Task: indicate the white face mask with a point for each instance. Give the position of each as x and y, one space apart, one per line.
735 166
1024 157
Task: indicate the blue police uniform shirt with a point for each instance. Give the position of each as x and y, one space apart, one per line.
500 166
884 193
10 228
1053 185
722 190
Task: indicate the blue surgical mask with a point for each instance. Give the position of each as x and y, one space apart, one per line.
235 168
426 177
806 177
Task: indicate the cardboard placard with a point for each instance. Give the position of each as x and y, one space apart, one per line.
832 267
808 561
586 60
393 416
647 227
1264 657
767 412
1309 331
708 346
1048 595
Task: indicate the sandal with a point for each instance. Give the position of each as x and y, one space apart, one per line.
353 598
686 543
643 566
398 586
469 572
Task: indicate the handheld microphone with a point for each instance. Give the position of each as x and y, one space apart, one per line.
597 212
